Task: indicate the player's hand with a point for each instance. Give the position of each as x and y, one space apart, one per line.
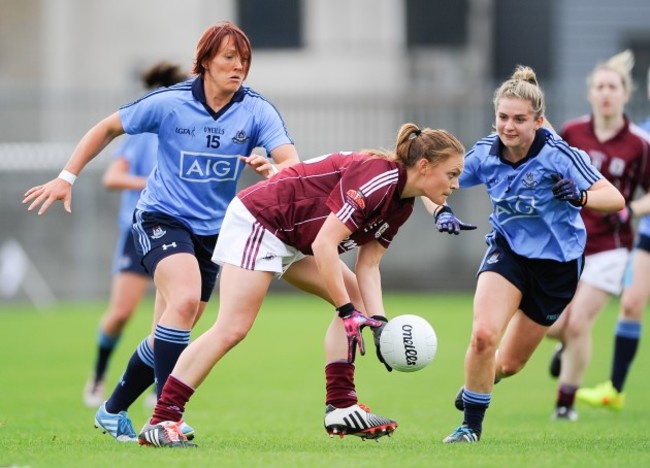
262 165
625 215
446 221
376 333
566 190
620 217
45 195
354 321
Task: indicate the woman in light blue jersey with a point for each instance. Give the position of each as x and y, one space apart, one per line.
131 165
207 128
537 185
636 293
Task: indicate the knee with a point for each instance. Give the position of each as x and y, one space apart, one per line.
121 316
232 335
508 367
114 322
631 309
484 340
574 331
185 305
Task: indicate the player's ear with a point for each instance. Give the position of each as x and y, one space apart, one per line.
423 166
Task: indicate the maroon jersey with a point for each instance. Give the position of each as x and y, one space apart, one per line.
362 190
623 160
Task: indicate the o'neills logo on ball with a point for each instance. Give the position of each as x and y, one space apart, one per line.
410 353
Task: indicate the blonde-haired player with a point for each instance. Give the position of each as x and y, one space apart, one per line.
633 302
621 151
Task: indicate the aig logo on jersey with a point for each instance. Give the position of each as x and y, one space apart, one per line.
205 167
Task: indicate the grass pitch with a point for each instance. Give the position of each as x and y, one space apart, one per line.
263 404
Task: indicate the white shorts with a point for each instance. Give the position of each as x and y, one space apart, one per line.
245 243
606 270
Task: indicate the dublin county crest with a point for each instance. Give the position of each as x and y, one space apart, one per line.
494 258
529 181
240 137
157 232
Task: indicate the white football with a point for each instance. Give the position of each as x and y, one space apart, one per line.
408 343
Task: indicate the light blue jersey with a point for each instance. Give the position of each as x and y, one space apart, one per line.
525 213
644 222
139 151
198 163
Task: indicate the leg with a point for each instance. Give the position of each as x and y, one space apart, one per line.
556 332
342 413
304 275
178 280
490 321
584 309
514 352
241 295
127 290
626 340
628 332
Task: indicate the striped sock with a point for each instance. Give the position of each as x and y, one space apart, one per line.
626 344
169 343
105 347
476 404
137 377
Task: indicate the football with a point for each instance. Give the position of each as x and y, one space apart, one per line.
408 343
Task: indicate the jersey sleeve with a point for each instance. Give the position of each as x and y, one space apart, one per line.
577 166
645 168
145 114
469 177
272 130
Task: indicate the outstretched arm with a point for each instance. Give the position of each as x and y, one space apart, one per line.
60 188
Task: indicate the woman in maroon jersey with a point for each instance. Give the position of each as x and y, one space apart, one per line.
621 152
295 225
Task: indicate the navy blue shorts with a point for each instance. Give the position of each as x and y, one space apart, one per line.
643 243
158 236
547 286
126 258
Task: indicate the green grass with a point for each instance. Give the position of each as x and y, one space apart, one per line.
263 404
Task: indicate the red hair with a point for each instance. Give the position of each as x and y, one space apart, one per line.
210 42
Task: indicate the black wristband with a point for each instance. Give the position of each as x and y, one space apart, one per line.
345 310
441 209
583 200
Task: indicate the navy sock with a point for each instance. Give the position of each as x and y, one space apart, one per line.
169 343
105 347
626 344
476 404
137 377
